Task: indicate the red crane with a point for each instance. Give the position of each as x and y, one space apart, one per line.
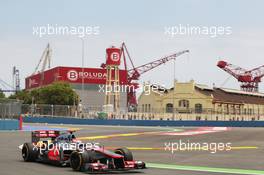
134 73
249 78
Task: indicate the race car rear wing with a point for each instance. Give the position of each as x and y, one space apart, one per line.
37 135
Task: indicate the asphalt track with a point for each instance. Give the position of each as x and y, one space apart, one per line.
148 144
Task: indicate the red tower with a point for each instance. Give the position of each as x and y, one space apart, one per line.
113 56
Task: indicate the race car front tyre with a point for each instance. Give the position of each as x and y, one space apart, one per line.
79 159
128 156
29 152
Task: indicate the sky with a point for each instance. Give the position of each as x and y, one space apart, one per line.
142 25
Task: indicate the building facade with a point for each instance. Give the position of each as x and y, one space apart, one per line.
188 100
88 83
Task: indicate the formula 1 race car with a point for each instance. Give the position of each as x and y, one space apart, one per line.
63 149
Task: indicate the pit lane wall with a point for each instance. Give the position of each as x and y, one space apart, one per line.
118 122
9 124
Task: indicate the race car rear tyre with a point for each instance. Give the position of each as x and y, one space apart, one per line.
29 152
126 153
79 159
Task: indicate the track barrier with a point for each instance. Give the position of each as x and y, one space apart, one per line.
9 124
77 121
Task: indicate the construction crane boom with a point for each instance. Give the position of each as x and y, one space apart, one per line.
249 78
45 59
134 74
257 73
233 70
5 87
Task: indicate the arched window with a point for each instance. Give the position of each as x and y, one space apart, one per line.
198 108
169 107
184 104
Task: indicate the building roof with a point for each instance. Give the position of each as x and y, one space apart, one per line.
225 95
204 87
258 94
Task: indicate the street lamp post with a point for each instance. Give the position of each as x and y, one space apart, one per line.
173 95
82 67
82 91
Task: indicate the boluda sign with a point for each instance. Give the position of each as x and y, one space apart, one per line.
72 75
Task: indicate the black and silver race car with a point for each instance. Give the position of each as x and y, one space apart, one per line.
63 149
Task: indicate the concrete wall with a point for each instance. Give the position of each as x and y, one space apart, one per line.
93 96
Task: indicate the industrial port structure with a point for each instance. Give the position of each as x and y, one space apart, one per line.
186 100
109 74
249 79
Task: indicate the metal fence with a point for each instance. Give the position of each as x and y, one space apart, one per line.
250 112
10 108
60 110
